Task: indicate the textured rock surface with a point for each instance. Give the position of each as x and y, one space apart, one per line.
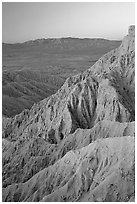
101 171
78 144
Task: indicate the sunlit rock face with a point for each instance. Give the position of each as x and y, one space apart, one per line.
131 31
78 144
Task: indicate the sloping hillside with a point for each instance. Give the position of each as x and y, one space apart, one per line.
21 89
36 69
78 144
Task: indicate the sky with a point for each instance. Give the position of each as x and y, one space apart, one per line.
22 21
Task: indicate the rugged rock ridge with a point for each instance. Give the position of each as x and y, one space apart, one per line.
98 104
36 69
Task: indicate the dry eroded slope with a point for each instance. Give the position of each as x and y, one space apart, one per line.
78 144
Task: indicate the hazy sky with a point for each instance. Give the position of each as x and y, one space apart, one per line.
26 21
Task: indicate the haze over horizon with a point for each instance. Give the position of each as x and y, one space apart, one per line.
29 21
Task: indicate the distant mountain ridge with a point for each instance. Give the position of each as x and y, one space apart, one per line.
39 40
66 43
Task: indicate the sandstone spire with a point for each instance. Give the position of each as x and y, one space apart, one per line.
131 30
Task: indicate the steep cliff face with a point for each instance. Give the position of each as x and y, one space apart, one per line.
96 105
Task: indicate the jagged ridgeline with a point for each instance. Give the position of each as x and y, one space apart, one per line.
78 144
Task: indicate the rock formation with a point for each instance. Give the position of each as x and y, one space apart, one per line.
78 144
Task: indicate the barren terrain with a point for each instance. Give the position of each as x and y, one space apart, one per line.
36 69
77 145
